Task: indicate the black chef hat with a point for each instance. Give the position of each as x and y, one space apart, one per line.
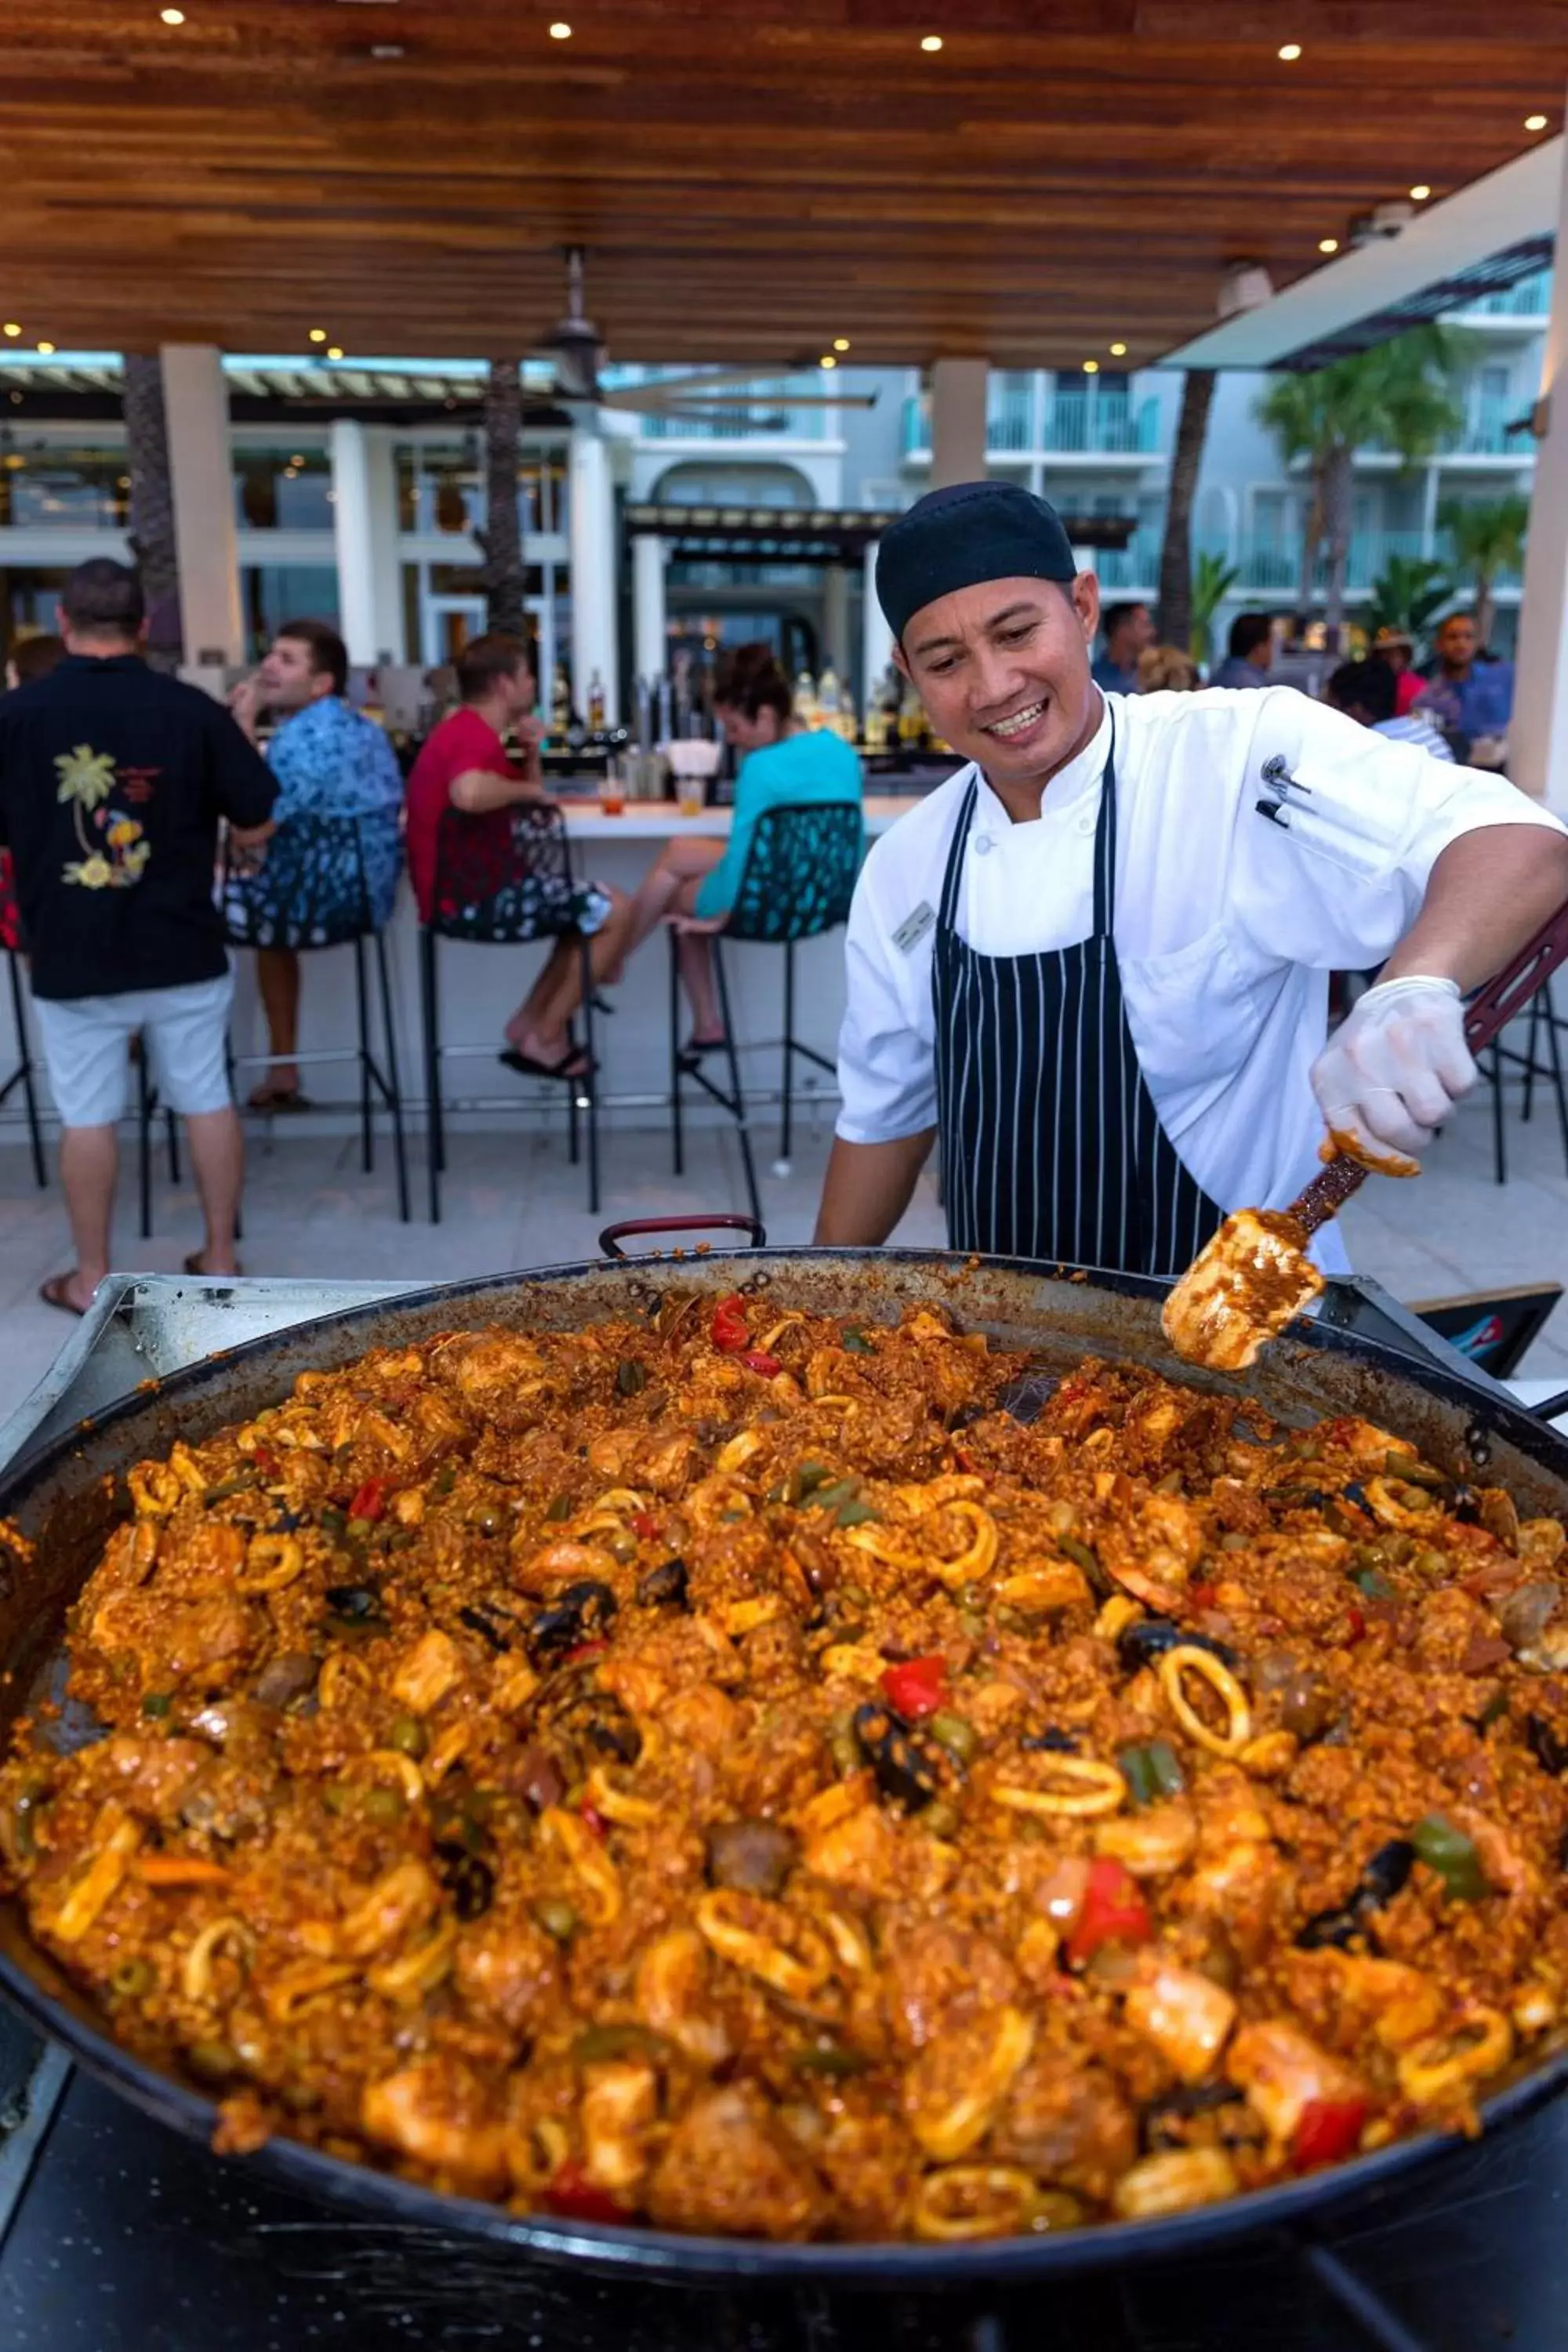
957 537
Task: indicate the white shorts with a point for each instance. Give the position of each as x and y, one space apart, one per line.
87 1049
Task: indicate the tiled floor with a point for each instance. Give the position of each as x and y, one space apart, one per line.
512 1201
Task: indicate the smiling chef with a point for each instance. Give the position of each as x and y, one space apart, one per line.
1094 965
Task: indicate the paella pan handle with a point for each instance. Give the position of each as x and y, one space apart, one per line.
612 1237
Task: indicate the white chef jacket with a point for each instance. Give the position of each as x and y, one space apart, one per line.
1262 841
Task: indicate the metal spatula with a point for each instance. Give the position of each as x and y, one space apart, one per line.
1247 1283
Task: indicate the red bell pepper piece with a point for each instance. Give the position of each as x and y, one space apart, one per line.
268 1463
728 1330
1355 1625
646 1525
583 1650
918 1687
756 1359
594 1818
370 1501
1328 2130
575 2198
1114 1912
1203 1596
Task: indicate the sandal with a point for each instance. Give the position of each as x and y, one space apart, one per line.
695 1047
56 1293
527 1067
194 1266
269 1099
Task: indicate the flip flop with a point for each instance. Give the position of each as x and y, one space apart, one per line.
194 1266
281 1098
527 1067
53 1294
695 1047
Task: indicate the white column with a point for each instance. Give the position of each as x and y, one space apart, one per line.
1538 735
650 625
591 544
195 402
876 637
957 422
836 619
352 539
389 631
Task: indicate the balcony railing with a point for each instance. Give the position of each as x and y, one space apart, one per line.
1272 566
745 415
1529 299
1071 425
1136 566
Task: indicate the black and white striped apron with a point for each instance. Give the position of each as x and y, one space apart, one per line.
1051 1146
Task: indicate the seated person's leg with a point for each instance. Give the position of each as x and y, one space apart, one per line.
277 977
680 862
537 1030
189 1031
86 1048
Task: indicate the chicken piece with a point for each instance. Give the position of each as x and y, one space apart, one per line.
210 1642
728 2169
507 1968
1150 1845
1186 2015
427 1673
156 1776
1240 1290
870 2168
861 1854
620 2107
1068 2123
1400 2003
704 1718
664 1461
935 1978
1283 2073
437 2113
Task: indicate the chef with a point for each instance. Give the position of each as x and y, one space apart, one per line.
1094 965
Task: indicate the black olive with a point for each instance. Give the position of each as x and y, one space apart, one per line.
1296 1499
1545 1747
485 1626
583 1614
902 1769
1179 2107
287 1523
1463 1503
1386 1872
964 1416
1056 1743
613 1731
1345 1928
663 1586
1150 1637
353 1599
468 1878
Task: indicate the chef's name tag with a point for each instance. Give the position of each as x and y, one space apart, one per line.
913 929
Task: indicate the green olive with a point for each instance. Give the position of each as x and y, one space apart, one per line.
407 1736
384 1804
556 1917
132 1979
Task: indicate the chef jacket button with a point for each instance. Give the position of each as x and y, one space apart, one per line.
1087 821
982 844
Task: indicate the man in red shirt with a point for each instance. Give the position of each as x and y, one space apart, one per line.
463 768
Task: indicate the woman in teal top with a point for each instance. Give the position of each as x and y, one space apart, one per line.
784 763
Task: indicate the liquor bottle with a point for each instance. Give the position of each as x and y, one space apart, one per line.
559 703
595 704
828 698
806 708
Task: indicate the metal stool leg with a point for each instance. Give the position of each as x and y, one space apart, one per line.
591 1084
739 1099
394 1079
1554 1063
433 1140
1499 1144
366 1117
781 1166
144 1141
677 1140
1531 1033
172 1137
25 1073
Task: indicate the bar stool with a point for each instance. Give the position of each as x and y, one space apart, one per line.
510 896
22 1075
310 892
797 882
1541 1058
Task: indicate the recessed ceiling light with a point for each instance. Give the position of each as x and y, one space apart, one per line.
1327 244
297 459
560 32
45 348
827 360
318 334
1091 367
1535 122
12 329
1290 52
930 43
334 350
388 49
1419 193
1119 351
841 343
172 15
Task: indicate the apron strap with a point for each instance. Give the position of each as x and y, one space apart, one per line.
1105 844
953 873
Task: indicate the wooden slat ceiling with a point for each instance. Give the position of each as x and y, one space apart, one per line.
749 182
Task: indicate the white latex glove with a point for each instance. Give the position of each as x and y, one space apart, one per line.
1396 1067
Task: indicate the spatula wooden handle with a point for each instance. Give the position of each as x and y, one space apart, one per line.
1487 1015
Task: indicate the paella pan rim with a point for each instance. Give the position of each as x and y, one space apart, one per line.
294 2166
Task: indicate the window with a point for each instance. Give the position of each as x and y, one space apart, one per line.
49 485
275 592
283 488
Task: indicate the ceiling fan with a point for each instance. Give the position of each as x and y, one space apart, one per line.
578 354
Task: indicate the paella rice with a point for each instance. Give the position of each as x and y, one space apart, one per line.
721 1771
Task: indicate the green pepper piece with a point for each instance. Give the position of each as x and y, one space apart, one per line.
1453 1855
827 2059
560 1507
956 1734
1375 1587
855 1513
1413 1471
600 2042
157 1703
1151 1771
1088 1558
806 1478
631 1377
856 1342
1494 1711
446 1478
332 1521
221 1493
827 1499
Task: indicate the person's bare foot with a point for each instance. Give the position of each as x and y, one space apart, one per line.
69 1292
212 1263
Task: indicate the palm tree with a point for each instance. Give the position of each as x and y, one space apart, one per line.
1399 395
504 577
1408 594
1488 537
152 532
1177 552
1212 582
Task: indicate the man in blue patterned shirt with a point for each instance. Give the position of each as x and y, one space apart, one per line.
328 762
